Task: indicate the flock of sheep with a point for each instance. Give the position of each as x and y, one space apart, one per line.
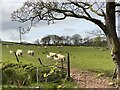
19 52
50 55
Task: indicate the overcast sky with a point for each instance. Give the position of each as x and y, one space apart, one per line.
10 29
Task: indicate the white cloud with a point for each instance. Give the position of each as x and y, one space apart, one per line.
68 26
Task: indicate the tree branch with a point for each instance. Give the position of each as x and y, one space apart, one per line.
75 3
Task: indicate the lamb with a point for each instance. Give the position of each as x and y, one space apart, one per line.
19 52
11 51
31 52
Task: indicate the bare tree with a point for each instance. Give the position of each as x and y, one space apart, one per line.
91 11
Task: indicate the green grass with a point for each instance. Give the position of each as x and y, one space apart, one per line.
45 86
83 58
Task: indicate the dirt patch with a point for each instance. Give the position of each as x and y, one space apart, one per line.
86 79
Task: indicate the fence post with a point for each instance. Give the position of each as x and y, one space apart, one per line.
37 74
68 64
16 57
40 61
62 64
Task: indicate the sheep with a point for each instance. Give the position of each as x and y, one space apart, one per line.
45 47
19 52
58 46
102 49
61 46
49 57
61 57
11 51
56 58
31 52
51 54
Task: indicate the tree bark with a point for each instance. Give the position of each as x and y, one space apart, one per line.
112 36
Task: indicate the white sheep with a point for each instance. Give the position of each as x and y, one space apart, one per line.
31 52
19 52
61 57
61 46
49 57
51 54
56 58
11 51
45 47
58 46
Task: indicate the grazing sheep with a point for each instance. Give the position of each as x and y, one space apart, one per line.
31 52
56 58
102 49
19 52
61 46
49 57
61 57
51 54
58 46
45 47
11 51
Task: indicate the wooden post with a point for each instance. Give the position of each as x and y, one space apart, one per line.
62 64
16 57
20 34
40 61
68 59
37 74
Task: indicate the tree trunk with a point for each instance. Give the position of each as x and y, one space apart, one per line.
112 36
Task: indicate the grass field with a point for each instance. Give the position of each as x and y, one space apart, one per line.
83 58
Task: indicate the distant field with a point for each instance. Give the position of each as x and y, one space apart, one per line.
83 58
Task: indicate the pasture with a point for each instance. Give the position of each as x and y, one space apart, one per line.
83 58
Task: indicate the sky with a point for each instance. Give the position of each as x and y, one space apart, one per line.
10 29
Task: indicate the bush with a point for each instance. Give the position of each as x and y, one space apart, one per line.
24 74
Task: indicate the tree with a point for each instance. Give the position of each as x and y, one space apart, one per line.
100 38
97 41
0 40
50 11
68 40
37 41
46 40
55 39
76 39
51 39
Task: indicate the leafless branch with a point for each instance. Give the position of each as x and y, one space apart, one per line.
50 11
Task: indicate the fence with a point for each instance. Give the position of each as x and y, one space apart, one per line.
64 67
